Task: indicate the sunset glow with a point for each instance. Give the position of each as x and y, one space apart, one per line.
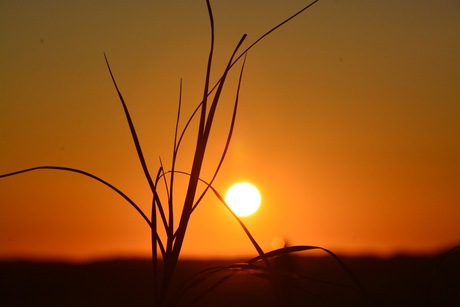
348 122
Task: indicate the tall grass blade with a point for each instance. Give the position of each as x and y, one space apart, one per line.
229 137
173 167
156 200
137 144
198 157
160 174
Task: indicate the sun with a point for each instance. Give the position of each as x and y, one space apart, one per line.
243 198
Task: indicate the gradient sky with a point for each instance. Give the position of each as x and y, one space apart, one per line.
349 123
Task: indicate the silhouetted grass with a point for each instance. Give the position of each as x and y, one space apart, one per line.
166 250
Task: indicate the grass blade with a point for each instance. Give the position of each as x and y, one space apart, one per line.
140 154
229 137
300 248
245 229
78 171
173 167
160 174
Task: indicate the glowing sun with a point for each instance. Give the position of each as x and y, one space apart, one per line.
243 198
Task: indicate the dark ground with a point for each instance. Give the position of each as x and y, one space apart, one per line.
397 281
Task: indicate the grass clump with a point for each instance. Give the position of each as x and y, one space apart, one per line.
166 249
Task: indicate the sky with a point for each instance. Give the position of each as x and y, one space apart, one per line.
348 123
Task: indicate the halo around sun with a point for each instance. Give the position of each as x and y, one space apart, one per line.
243 198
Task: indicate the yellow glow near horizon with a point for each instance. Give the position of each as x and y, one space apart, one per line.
243 198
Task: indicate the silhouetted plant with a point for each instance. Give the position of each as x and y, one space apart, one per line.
166 250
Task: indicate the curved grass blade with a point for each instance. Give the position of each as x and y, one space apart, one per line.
245 229
137 144
265 35
266 273
74 170
270 274
274 28
300 248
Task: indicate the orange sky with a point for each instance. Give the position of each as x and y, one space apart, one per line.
349 123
